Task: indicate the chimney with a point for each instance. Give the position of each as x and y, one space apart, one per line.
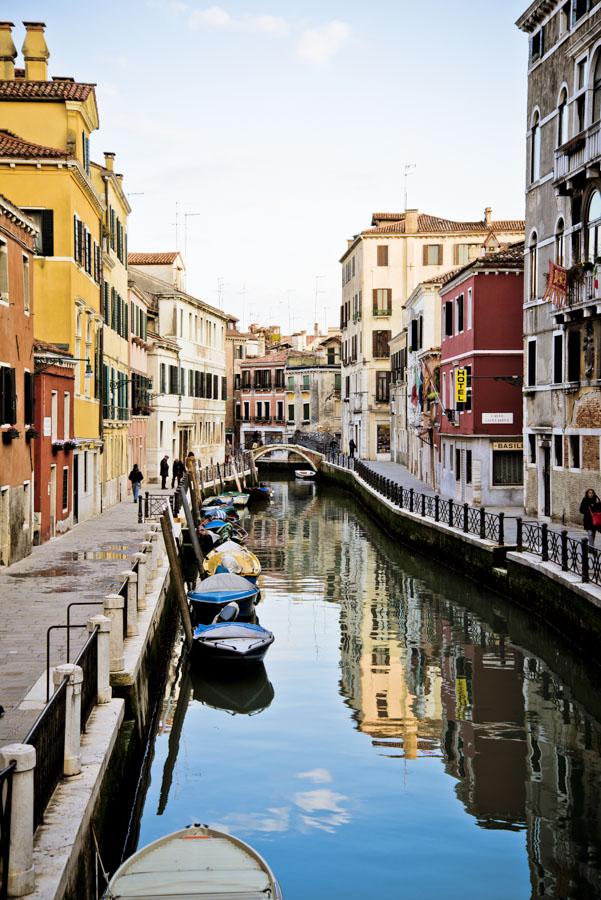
411 221
109 160
316 329
488 216
8 51
35 52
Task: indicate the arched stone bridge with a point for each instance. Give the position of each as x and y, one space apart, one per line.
313 457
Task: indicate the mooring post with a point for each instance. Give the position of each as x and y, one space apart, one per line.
178 578
140 558
21 875
113 610
140 512
132 601
104 692
72 750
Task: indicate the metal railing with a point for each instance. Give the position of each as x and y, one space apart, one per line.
88 660
47 735
6 793
571 554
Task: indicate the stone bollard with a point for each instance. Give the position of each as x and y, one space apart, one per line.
113 609
148 539
72 753
140 559
146 549
132 602
21 875
103 624
154 540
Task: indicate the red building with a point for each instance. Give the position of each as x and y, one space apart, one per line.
17 243
260 393
481 455
54 442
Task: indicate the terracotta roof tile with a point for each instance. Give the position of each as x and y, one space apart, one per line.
151 259
427 224
442 279
510 257
17 89
18 148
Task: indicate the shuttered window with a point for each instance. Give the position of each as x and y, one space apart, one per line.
448 319
381 344
28 397
216 387
432 254
8 396
382 255
382 301
507 467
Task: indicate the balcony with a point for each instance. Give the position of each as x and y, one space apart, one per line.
583 294
381 312
580 156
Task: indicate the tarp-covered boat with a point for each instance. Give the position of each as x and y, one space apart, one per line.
212 594
234 558
232 643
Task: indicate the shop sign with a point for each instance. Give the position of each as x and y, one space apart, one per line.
508 445
497 418
461 386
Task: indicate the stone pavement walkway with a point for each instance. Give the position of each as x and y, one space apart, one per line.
401 475
82 565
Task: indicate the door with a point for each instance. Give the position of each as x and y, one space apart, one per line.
4 527
52 501
75 489
546 481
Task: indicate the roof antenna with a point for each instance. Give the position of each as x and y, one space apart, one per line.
408 168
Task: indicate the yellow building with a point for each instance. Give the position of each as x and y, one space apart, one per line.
115 383
45 169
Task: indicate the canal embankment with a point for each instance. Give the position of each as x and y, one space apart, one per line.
548 573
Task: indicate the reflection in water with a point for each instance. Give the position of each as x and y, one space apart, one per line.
384 663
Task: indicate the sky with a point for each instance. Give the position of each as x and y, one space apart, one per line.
272 130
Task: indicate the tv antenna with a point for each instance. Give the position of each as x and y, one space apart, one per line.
408 169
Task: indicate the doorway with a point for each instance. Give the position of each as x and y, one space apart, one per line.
52 501
76 489
546 479
4 527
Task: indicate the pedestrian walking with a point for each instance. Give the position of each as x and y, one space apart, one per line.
175 476
164 471
136 478
351 448
591 512
181 468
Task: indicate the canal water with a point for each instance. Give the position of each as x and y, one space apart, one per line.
410 737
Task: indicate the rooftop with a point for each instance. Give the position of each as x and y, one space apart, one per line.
18 148
510 257
443 278
394 223
152 259
20 89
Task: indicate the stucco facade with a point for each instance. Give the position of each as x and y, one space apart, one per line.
313 388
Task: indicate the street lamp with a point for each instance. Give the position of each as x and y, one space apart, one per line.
46 362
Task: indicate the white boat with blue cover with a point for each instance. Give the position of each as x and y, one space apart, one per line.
232 642
212 594
196 862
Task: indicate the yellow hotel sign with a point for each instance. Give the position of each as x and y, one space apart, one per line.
461 386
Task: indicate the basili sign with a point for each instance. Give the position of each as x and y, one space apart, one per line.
460 386
507 445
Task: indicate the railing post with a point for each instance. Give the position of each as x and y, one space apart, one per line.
113 610
465 517
519 534
564 550
140 558
410 499
423 504
21 875
545 542
103 637
482 523
146 505
132 602
140 511
72 754
436 508
585 573
501 529
451 525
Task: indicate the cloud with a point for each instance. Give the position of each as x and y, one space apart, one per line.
212 17
317 46
318 776
269 24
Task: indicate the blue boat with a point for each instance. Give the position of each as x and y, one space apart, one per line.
227 641
217 591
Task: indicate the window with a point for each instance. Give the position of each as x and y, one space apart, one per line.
3 271
507 467
562 118
382 255
533 267
580 109
65 489
382 298
381 344
564 18
305 382
306 412
44 220
537 44
238 412
432 255
291 412
531 370
280 411
535 148
532 449
291 382
558 449
163 379
267 413
593 227
579 9
331 356
573 354
457 465
85 470
468 466
279 378
66 415
347 386
173 380
259 409
557 358
414 336
382 387
448 318
337 383
470 308
459 306
574 442
559 243
246 410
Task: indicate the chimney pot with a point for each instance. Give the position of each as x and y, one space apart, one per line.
8 51
35 52
109 160
488 215
411 221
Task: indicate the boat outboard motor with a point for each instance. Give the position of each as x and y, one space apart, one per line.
229 613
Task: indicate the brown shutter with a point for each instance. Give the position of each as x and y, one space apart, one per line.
375 300
389 296
425 254
456 254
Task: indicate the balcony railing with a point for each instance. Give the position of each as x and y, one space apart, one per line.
584 291
379 312
582 150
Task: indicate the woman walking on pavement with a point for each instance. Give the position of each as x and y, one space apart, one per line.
136 478
591 511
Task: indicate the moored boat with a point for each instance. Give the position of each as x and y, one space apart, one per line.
195 862
215 592
305 473
232 643
260 492
232 557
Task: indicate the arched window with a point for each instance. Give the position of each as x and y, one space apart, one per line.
533 266
593 227
562 118
559 243
597 90
535 148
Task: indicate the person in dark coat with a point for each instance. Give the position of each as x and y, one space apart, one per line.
180 470
351 448
175 476
590 504
136 478
164 471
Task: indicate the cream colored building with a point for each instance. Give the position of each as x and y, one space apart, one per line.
115 390
380 268
186 364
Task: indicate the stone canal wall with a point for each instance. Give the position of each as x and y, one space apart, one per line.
560 599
